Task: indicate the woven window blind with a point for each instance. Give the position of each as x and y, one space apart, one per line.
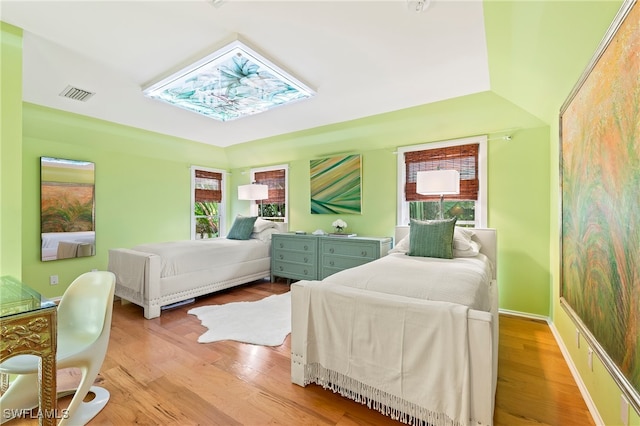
275 179
463 158
208 187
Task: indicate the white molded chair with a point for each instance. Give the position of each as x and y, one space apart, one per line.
84 325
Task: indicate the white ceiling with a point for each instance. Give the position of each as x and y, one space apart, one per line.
362 57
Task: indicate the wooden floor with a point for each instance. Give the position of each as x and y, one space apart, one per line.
158 374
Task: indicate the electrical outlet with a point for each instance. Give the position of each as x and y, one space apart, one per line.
590 358
53 280
624 410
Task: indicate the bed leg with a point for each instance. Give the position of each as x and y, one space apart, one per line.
297 370
151 312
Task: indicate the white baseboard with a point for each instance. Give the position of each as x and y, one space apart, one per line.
567 357
576 376
525 315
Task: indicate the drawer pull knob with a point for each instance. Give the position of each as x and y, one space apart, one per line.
281 245
306 260
306 248
364 253
281 257
306 272
280 267
331 263
331 250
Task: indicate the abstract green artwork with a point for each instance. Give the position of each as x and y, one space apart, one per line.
336 185
232 82
600 166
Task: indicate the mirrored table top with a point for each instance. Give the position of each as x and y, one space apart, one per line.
18 298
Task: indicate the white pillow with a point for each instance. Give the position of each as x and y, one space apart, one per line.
472 251
402 246
264 235
262 224
462 238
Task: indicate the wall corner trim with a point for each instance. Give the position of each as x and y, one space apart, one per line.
526 315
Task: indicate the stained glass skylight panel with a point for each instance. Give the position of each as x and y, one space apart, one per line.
231 83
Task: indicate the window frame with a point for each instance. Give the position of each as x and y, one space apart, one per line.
253 209
402 205
221 206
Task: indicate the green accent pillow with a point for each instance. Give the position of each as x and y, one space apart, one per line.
242 228
432 238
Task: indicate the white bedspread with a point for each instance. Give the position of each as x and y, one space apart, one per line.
460 280
179 257
371 346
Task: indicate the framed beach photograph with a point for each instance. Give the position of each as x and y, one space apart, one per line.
600 208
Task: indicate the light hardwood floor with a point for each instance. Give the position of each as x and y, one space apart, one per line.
158 374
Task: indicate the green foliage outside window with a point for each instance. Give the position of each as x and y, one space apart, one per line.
273 211
428 210
207 219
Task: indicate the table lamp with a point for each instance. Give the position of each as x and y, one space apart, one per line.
254 192
438 182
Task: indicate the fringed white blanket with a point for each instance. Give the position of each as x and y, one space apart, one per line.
129 267
388 352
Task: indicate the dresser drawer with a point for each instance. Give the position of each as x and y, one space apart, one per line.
332 264
358 249
294 256
342 262
295 244
294 270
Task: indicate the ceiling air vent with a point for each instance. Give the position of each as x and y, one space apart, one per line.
76 94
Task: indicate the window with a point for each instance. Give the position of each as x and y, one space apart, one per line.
275 207
468 156
206 202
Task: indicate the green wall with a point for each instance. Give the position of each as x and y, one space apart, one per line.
142 187
538 49
10 150
518 196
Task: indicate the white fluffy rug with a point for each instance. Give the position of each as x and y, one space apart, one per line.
265 322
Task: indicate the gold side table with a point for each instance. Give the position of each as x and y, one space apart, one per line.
28 327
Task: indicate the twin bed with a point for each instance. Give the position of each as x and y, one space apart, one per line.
157 275
412 337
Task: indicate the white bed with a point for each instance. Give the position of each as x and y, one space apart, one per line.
376 335
161 274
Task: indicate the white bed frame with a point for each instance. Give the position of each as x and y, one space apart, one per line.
162 291
483 336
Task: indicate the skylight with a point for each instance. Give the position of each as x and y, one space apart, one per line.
231 83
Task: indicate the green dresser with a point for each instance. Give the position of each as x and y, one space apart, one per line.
294 256
313 257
